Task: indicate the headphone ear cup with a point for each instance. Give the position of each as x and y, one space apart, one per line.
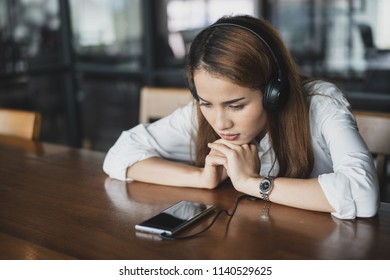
271 95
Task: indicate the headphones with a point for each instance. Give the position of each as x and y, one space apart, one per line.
273 98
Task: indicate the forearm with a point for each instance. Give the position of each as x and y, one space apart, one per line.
300 193
164 172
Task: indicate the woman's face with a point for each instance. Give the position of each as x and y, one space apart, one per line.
235 113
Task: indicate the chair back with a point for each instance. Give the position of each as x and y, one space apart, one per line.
375 130
23 124
158 102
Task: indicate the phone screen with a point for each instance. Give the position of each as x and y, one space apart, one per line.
175 218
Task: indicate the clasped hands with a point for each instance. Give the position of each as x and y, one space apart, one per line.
238 162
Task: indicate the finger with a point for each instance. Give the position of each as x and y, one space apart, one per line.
221 148
228 144
215 152
253 147
229 154
248 146
215 160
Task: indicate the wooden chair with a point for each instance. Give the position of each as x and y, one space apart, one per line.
375 130
22 124
158 102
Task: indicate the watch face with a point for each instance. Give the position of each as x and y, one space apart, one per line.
265 185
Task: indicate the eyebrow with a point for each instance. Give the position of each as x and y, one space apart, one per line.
225 102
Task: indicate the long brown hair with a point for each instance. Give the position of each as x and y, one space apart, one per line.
241 57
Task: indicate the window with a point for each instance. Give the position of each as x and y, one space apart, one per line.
334 38
184 20
383 31
29 35
107 31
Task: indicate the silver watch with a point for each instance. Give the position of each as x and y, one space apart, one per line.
266 187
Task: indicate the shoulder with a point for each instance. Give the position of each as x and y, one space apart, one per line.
186 114
319 91
327 103
183 119
324 97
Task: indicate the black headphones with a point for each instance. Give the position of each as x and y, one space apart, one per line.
273 98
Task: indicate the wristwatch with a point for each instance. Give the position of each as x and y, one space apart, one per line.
265 187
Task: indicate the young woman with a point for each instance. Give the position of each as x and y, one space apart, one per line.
255 120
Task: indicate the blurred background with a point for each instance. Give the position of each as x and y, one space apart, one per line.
81 64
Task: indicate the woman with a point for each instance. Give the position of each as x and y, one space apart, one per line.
257 121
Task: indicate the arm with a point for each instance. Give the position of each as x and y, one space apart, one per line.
168 138
242 165
160 171
156 153
300 193
351 183
352 188
164 172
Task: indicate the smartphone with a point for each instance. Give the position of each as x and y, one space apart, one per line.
175 218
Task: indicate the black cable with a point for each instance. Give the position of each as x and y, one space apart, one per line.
170 237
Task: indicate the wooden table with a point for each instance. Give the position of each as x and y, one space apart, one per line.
56 203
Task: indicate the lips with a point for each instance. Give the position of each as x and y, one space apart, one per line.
229 137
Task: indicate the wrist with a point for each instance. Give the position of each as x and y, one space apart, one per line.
196 177
250 185
204 178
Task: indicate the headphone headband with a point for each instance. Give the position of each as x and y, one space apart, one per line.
264 36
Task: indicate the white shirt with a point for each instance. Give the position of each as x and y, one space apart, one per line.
343 164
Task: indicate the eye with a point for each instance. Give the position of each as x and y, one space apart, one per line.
236 107
205 105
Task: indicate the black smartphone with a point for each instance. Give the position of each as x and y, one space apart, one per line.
175 218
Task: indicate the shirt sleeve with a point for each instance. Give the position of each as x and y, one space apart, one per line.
169 137
352 189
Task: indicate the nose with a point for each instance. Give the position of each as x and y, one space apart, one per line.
222 121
